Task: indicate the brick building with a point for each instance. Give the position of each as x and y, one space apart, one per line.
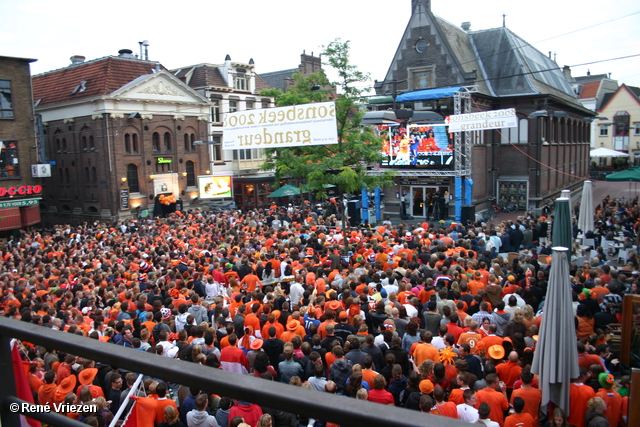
19 149
438 65
119 132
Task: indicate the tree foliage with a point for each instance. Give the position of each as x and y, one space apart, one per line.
344 164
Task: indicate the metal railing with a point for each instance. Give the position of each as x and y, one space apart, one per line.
314 404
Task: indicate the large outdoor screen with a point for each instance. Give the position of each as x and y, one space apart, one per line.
214 187
417 146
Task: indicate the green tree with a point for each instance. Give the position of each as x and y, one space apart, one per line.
344 164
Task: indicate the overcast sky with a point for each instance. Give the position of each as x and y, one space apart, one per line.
274 33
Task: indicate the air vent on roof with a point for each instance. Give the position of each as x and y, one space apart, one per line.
76 60
126 53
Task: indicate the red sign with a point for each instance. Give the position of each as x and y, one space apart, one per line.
25 189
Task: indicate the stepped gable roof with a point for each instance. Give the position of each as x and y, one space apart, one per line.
101 77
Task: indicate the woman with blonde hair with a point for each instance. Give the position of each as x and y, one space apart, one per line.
265 421
171 418
594 417
528 316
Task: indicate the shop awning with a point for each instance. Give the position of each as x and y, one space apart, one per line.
30 215
421 95
10 219
381 99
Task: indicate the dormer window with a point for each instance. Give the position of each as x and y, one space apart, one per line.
241 81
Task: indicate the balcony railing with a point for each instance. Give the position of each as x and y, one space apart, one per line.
323 406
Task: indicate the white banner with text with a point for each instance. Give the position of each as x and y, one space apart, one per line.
293 126
494 119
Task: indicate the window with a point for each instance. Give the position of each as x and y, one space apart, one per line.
189 139
233 106
242 154
127 143
249 105
87 181
509 135
604 130
134 142
422 78
85 147
241 81
6 104
216 149
9 159
155 139
94 176
132 178
523 126
190 168
636 127
215 111
92 145
167 141
164 164
265 104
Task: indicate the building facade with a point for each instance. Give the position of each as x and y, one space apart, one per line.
229 87
621 129
20 189
444 69
119 131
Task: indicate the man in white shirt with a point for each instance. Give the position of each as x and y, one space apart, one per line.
295 291
466 410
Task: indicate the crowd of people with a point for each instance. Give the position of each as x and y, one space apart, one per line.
418 316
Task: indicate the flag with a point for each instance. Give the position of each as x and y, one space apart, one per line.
23 391
143 413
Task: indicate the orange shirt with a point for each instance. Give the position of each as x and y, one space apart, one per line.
160 405
497 402
508 372
614 405
422 351
277 325
519 420
448 409
579 395
251 282
369 375
475 286
532 398
456 396
470 338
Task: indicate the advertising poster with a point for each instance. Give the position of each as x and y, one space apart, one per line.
513 192
417 146
215 187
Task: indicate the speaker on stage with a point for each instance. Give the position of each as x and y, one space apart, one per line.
468 213
353 211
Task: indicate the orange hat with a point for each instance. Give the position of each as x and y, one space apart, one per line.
426 386
343 315
496 352
41 293
256 344
67 385
292 325
333 305
276 313
86 376
55 366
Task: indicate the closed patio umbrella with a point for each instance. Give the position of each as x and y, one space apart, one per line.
556 357
585 219
561 235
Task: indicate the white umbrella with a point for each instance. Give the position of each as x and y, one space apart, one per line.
556 357
585 219
606 152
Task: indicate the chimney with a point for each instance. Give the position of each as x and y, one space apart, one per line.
126 53
76 60
466 25
566 70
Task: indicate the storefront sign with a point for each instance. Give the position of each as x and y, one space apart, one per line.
22 190
294 126
162 160
494 119
19 203
124 199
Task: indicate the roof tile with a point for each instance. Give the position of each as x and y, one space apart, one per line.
102 77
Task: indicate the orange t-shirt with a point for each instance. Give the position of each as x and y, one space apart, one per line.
497 402
519 420
579 395
532 398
